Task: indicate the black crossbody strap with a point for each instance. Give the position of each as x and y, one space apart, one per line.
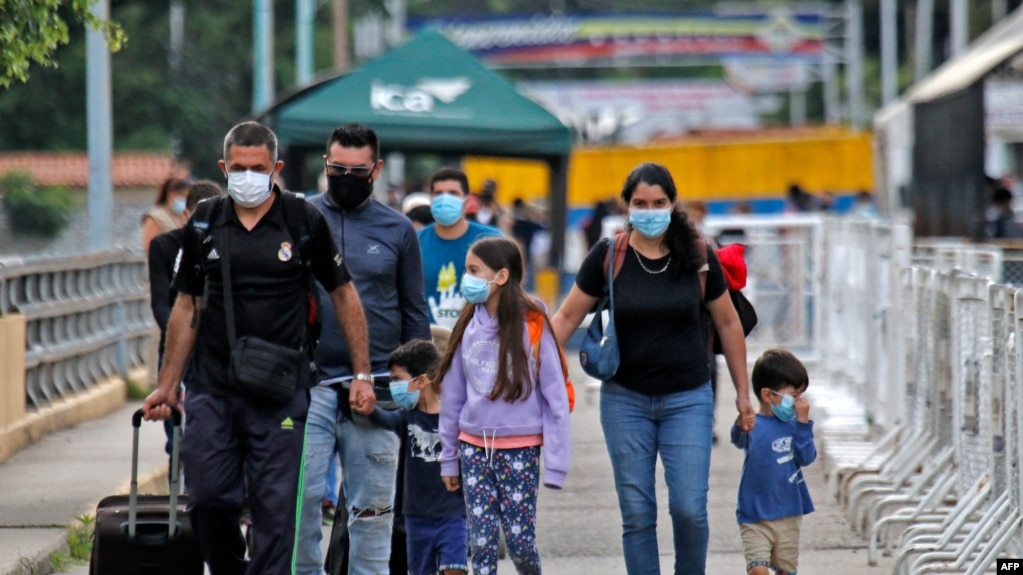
225 270
610 273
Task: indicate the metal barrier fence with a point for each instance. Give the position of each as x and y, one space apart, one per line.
784 258
928 353
87 318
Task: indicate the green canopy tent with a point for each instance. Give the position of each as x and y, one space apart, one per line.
428 96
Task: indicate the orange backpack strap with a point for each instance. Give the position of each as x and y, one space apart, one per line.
621 248
703 270
535 323
701 248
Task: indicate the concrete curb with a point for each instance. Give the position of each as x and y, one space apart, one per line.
100 400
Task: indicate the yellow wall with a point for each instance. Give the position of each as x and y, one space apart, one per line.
824 160
12 369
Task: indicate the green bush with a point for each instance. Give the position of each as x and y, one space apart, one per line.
33 210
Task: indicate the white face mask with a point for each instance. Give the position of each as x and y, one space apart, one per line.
248 188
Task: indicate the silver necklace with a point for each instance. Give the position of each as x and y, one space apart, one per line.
648 270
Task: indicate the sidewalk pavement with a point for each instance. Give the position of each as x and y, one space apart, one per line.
48 484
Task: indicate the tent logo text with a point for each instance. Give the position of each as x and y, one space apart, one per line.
419 98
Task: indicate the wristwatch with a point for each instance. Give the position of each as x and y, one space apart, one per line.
367 377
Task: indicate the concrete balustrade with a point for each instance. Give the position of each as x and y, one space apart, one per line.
73 329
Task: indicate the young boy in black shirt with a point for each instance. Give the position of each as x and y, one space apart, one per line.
435 524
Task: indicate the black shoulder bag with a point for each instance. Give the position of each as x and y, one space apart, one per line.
264 370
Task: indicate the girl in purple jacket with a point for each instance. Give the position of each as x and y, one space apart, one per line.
500 403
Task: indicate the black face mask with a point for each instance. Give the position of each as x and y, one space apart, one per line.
349 191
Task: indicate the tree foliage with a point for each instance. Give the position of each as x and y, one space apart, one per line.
33 210
32 30
185 110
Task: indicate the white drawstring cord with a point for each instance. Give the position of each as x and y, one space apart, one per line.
488 452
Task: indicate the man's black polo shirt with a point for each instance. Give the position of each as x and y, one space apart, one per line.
268 284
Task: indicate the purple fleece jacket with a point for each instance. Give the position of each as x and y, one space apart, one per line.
465 405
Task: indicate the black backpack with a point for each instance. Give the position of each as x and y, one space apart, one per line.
297 222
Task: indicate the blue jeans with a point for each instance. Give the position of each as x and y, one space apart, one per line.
369 459
637 427
330 482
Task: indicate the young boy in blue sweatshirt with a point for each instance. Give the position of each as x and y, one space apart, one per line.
772 494
435 524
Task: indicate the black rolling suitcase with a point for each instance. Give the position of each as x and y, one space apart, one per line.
145 534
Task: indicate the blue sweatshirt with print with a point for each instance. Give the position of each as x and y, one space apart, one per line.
466 405
772 485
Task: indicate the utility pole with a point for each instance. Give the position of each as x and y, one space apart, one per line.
854 61
832 57
889 52
797 107
339 20
100 132
999 8
397 14
924 38
959 23
262 55
305 11
174 60
829 76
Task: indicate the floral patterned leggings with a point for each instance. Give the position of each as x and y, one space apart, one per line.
500 488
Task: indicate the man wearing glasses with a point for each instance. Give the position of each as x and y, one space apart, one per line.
380 248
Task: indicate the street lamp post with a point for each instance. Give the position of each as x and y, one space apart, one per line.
889 52
263 56
99 128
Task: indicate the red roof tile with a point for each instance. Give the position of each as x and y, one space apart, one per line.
129 169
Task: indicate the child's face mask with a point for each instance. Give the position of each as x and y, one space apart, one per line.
402 396
785 410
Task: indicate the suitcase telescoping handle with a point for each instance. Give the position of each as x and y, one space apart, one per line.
133 498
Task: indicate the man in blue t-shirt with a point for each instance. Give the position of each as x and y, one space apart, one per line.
772 493
445 243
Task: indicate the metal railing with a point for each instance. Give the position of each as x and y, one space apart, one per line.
924 347
784 259
87 318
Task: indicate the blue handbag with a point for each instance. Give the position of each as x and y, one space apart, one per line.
598 352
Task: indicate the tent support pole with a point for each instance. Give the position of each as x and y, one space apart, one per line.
558 210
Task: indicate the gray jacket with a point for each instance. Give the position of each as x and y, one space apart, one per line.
381 249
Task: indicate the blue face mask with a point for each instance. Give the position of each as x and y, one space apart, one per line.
474 289
402 396
650 223
446 209
179 205
786 410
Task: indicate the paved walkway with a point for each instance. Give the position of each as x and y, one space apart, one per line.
46 485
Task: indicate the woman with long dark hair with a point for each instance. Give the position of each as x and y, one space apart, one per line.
659 401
